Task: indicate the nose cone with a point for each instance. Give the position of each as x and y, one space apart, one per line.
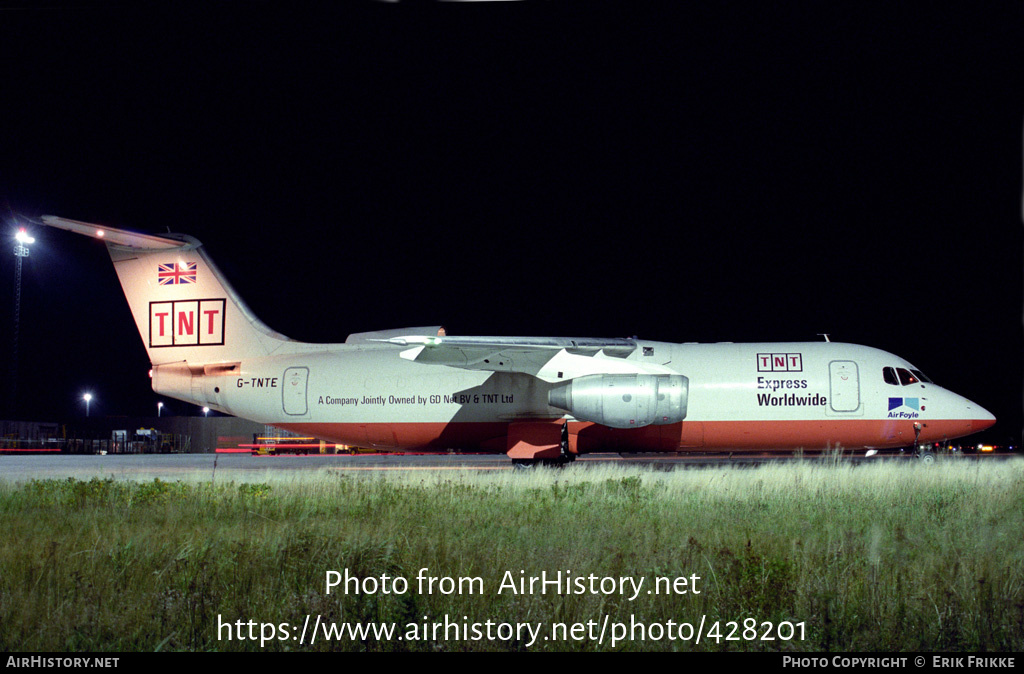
981 419
954 416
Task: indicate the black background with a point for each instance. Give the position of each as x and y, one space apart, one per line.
737 173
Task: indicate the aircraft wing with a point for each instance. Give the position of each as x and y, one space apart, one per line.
385 335
538 356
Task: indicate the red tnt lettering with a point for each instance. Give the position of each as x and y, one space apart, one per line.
185 325
212 314
779 362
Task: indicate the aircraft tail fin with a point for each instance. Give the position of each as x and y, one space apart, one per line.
183 307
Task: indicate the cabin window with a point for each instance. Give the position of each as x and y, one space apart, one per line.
889 375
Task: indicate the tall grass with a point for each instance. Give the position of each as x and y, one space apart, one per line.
869 558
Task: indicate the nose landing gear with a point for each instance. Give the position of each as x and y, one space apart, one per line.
925 455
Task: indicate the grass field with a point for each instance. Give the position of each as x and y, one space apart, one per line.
866 558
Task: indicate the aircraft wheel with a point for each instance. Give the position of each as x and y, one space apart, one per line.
926 457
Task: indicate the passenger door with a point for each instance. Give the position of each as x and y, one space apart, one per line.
844 385
294 391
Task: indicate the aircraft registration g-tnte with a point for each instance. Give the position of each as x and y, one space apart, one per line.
534 398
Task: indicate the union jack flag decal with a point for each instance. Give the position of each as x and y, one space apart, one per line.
174 273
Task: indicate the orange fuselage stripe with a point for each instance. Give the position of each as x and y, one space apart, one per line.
587 437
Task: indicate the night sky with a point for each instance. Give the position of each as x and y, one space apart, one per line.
587 169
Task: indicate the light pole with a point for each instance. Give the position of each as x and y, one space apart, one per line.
206 411
22 241
159 406
87 398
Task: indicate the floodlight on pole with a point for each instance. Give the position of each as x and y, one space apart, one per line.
22 241
159 406
206 411
87 398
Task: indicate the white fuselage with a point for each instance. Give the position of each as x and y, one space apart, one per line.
780 396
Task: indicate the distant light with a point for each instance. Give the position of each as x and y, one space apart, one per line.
23 237
100 233
206 411
87 397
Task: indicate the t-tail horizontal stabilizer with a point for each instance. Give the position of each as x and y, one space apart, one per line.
116 237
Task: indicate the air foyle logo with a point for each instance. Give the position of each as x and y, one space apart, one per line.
911 403
186 323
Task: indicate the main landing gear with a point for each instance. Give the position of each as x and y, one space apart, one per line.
564 455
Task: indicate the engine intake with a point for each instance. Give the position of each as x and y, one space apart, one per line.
624 400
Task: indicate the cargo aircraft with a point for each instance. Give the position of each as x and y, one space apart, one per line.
538 399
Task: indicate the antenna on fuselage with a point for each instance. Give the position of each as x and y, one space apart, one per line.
825 335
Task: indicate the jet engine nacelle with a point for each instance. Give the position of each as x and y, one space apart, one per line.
624 400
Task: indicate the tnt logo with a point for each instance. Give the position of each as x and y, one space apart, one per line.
186 323
780 362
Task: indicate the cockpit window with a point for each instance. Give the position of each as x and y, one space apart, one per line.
900 376
920 375
906 378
